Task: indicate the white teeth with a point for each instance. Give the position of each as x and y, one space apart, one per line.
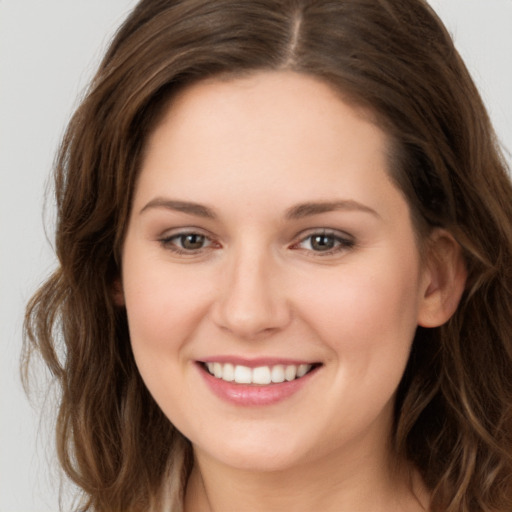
303 369
290 373
261 375
278 374
243 375
217 370
229 373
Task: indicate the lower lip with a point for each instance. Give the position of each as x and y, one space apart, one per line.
254 395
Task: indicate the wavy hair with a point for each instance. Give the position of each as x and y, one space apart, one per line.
453 414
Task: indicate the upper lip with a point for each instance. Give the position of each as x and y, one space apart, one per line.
256 362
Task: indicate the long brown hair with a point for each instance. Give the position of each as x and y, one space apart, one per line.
453 416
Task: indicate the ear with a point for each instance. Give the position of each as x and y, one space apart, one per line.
118 292
444 279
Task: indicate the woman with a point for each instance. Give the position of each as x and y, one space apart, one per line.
285 239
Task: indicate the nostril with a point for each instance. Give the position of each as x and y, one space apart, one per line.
250 321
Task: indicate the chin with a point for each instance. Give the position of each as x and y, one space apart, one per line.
255 461
262 454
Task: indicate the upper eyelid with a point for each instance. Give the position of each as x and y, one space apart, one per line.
337 233
188 230
171 234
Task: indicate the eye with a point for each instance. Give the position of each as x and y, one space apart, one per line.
186 242
325 242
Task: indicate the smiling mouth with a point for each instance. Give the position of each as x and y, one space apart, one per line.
261 375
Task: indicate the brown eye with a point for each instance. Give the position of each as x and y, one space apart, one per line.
187 243
322 242
191 241
326 242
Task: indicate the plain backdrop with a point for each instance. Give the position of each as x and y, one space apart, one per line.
48 51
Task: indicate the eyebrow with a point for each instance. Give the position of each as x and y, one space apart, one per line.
315 208
295 212
190 208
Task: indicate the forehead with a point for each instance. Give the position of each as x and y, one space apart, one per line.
275 139
306 97
261 117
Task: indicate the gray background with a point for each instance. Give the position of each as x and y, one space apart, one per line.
48 51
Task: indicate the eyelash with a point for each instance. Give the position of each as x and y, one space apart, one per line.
170 243
340 243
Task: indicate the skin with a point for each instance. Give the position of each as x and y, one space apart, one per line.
250 150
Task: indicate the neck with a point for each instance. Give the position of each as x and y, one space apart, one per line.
339 482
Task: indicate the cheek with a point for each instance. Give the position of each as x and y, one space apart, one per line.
365 307
163 310
164 306
367 316
158 295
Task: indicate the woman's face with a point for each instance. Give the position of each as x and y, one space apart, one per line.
266 241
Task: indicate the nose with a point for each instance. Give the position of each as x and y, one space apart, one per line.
251 300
